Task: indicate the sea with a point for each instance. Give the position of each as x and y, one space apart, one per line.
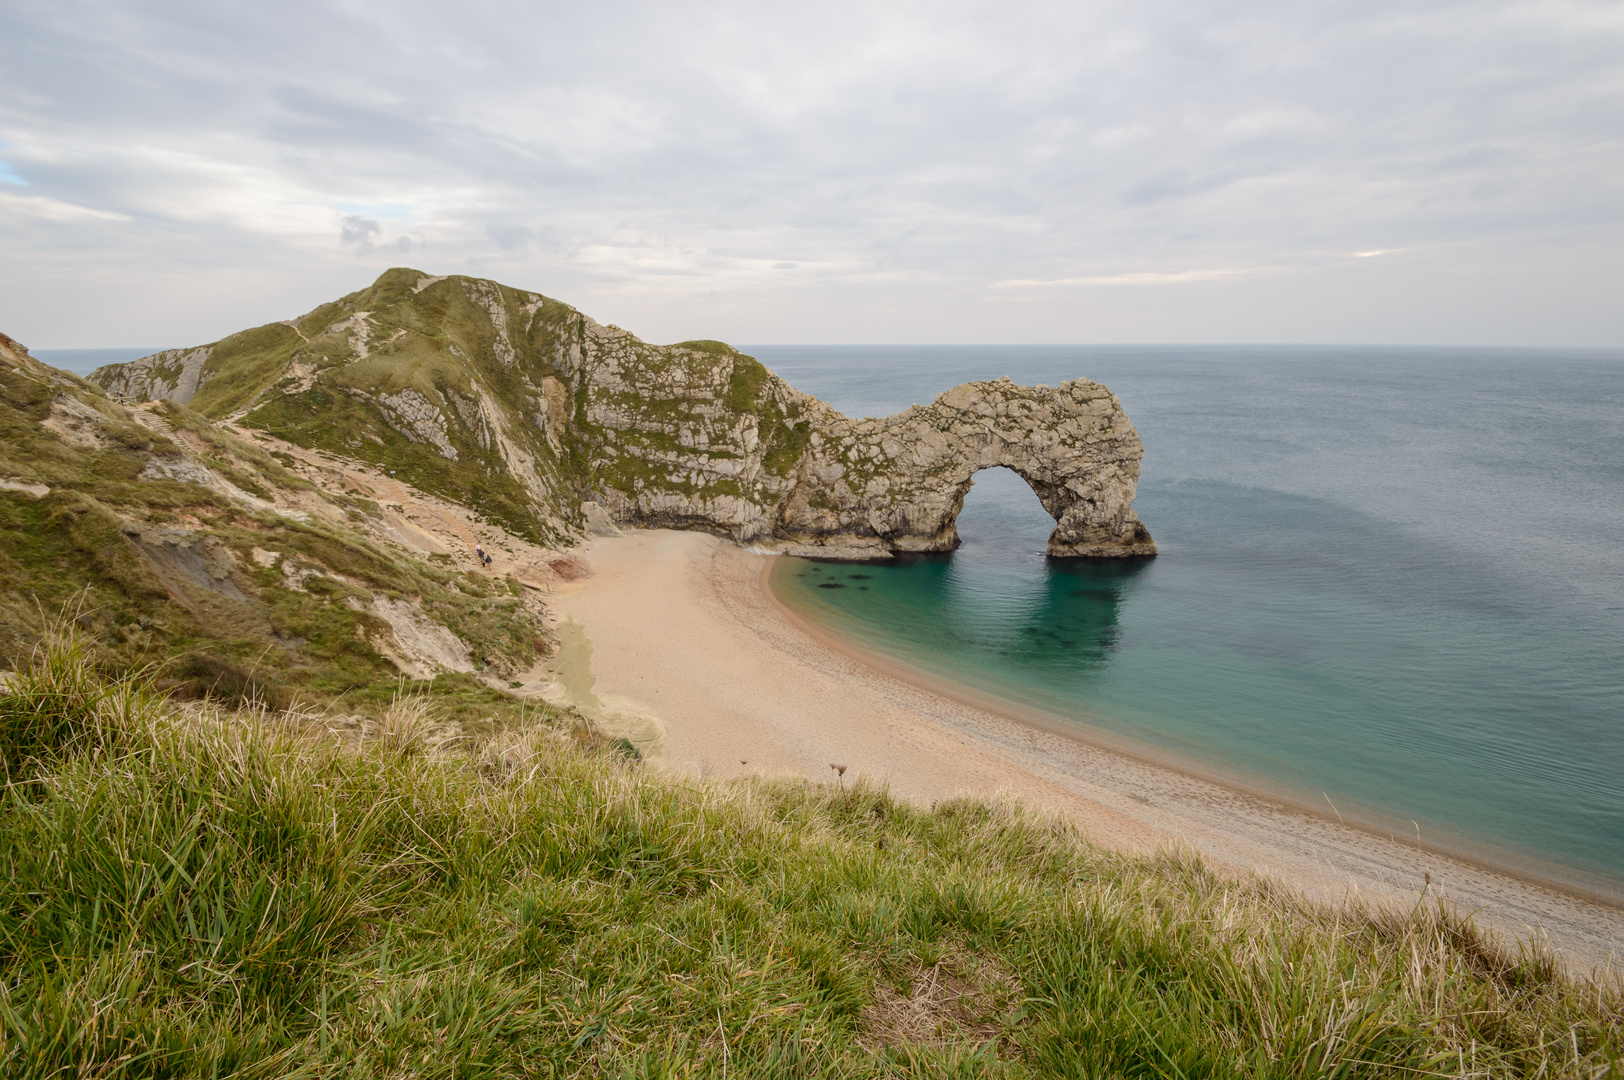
1390 586
84 361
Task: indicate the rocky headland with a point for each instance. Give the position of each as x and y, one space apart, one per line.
552 423
293 512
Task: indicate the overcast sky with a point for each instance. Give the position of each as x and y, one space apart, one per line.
1249 171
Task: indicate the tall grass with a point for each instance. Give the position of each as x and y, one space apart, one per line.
56 706
187 892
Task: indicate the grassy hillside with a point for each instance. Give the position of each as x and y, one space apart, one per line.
505 399
497 397
190 893
180 544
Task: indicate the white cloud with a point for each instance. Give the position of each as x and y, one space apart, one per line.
1175 277
39 209
666 163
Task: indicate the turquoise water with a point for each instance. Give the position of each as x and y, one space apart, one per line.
1391 581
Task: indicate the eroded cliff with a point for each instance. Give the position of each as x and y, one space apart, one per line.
529 410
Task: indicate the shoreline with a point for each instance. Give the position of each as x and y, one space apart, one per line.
682 645
1103 742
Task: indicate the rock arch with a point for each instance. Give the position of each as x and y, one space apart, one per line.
547 420
897 483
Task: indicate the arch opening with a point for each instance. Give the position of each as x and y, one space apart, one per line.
1001 514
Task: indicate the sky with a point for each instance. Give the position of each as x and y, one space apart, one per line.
1143 171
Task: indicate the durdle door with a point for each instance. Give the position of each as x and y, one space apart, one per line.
898 483
550 423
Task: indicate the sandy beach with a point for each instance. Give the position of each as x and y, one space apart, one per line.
675 642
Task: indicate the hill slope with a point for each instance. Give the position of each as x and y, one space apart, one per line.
185 542
186 894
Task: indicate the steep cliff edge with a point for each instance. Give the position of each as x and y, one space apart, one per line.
535 414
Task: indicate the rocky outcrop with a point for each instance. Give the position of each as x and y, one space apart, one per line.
171 375
898 483
550 422
702 436
873 487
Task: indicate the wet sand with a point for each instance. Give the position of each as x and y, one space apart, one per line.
676 642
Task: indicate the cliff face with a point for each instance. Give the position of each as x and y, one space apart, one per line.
539 416
899 482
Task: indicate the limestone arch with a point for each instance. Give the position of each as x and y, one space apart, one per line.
898 483
1082 527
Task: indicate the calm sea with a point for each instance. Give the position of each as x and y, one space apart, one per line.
84 361
1391 581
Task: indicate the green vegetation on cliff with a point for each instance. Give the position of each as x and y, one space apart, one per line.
175 543
185 893
497 397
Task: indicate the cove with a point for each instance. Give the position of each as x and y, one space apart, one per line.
1343 614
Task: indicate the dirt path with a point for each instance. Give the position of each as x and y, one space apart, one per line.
418 521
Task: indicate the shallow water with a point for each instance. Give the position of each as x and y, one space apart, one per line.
1391 582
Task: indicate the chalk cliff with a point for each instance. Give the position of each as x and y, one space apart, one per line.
546 420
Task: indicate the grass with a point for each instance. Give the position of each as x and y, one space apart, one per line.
94 544
190 892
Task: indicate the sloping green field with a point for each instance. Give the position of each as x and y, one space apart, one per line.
189 893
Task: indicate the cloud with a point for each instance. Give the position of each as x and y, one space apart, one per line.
1175 277
366 236
39 209
655 163
360 231
510 237
1175 184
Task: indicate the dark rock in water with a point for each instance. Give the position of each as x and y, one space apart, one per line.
832 585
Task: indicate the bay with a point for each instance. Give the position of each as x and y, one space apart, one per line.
1391 580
